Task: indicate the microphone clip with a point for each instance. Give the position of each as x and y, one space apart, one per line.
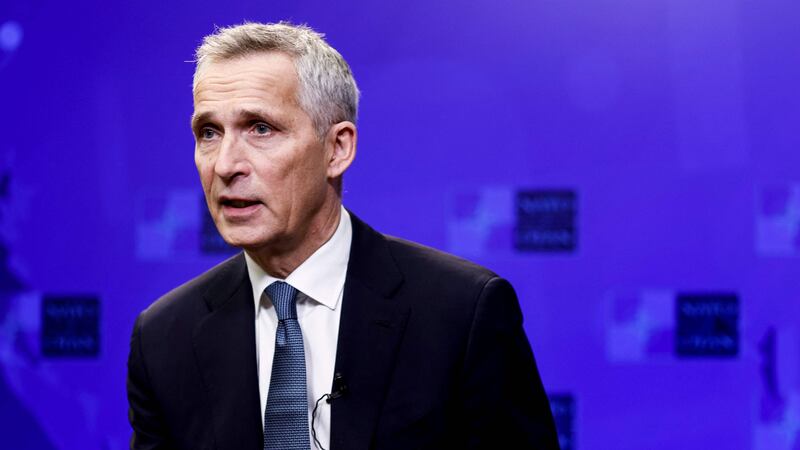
339 388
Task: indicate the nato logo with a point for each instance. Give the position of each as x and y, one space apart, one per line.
707 325
167 224
546 221
480 220
563 408
640 325
70 326
778 220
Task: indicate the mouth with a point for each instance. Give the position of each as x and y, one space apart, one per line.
238 203
239 209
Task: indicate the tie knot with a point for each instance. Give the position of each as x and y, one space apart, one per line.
283 297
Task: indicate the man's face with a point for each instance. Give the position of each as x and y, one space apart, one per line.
261 163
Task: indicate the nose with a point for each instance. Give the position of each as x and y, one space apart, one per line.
231 160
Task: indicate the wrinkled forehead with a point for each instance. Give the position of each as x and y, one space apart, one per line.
263 85
225 64
268 76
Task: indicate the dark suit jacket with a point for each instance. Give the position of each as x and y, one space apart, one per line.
431 348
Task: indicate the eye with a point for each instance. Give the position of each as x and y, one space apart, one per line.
261 128
207 133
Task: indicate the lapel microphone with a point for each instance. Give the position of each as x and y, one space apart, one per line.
339 389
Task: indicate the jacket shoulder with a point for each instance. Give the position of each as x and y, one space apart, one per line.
430 263
188 297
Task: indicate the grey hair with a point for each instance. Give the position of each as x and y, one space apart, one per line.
327 91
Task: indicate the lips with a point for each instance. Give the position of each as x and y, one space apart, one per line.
238 203
234 201
238 209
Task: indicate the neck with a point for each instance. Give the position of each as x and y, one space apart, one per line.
280 264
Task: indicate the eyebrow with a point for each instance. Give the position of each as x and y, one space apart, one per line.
241 114
196 120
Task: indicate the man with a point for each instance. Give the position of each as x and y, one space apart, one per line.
323 333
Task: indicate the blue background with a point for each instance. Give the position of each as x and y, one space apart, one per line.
674 122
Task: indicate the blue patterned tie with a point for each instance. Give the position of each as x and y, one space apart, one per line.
286 415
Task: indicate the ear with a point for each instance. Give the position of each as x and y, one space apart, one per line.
341 143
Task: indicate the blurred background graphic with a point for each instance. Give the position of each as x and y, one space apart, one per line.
631 166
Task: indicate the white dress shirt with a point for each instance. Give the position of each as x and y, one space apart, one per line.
319 281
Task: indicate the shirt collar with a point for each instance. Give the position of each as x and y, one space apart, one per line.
320 277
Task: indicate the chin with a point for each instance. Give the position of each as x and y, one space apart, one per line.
245 239
245 244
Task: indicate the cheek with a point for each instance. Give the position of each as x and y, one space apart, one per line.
305 177
309 184
205 169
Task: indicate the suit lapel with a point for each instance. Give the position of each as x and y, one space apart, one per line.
370 330
224 346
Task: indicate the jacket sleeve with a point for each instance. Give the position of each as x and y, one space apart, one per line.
149 430
503 399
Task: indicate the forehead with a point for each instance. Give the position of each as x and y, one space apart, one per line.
259 76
